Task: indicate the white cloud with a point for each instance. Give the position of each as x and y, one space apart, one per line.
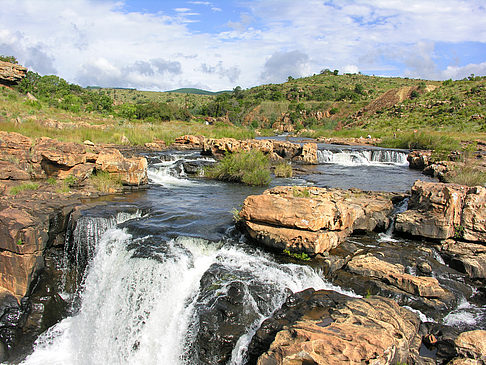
98 41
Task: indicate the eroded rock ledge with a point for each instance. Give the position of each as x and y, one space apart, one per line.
313 220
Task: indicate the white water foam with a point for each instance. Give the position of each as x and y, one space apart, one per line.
466 314
363 157
168 175
137 310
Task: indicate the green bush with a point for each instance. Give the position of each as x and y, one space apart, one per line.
283 169
105 182
251 168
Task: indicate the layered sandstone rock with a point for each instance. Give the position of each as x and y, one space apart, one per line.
187 142
131 171
11 73
275 149
466 257
334 329
395 275
441 211
312 220
22 158
472 345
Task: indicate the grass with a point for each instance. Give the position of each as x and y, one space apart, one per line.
251 168
22 187
283 169
299 192
466 175
299 256
105 182
441 144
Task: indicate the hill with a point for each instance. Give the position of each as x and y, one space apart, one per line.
196 91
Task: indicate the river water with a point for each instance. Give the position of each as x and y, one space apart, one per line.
162 277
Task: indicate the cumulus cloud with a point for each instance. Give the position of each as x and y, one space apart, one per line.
100 42
231 73
281 65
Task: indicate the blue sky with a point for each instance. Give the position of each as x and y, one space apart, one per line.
217 45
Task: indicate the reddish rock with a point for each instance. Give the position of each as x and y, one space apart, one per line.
188 142
472 345
313 220
131 171
275 149
423 286
11 171
441 211
372 331
11 73
59 154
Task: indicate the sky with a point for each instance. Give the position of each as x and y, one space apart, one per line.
220 44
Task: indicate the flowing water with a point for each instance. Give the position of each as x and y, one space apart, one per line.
165 279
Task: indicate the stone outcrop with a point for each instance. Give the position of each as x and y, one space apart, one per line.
441 211
312 220
466 257
22 158
130 171
277 150
471 346
11 73
325 327
395 275
27 226
187 142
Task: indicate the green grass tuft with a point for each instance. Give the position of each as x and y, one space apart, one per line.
466 175
105 182
22 187
251 168
283 169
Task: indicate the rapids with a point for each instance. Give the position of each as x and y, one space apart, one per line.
163 277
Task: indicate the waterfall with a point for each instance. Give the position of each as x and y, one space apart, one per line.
141 300
362 157
388 235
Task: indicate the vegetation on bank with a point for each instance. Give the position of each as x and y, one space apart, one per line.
323 105
466 175
247 167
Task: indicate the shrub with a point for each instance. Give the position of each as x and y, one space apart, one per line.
299 256
105 182
466 175
25 186
251 168
283 169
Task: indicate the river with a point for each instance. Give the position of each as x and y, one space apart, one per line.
162 277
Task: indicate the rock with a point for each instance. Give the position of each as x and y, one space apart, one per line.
79 172
156 145
467 257
56 155
313 220
394 274
472 345
275 149
11 73
132 171
373 330
188 142
419 160
88 143
11 171
124 140
441 211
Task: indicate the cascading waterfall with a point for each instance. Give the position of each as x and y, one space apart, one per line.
388 235
362 157
140 300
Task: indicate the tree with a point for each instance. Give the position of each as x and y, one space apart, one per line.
335 72
10 59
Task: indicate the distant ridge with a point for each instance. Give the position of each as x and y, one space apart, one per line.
196 91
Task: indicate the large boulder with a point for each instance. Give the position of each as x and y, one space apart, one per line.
131 171
324 327
441 211
312 220
472 345
466 257
394 274
11 73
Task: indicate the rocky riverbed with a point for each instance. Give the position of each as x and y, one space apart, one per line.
393 274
